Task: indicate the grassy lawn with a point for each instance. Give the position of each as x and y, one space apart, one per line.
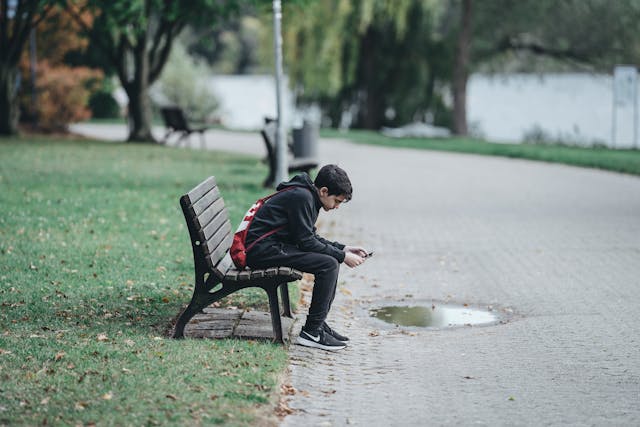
95 262
626 161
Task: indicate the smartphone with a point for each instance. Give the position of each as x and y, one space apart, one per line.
370 254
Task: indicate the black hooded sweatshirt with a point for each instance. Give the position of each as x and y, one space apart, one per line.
297 210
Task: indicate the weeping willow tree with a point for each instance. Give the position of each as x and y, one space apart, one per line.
380 61
390 62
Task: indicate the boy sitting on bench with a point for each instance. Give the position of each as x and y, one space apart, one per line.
295 244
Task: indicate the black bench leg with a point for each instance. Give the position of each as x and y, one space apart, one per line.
274 307
268 182
199 301
192 309
284 295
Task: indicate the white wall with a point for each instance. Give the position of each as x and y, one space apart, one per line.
574 107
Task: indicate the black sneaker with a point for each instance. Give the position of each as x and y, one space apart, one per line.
323 340
333 333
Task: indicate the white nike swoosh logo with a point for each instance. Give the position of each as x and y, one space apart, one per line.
316 339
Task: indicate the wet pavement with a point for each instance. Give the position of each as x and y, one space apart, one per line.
556 248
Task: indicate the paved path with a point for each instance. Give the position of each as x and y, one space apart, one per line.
557 245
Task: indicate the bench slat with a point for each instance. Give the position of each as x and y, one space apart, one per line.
224 265
201 189
235 275
219 252
199 205
209 213
232 276
213 226
212 243
271 271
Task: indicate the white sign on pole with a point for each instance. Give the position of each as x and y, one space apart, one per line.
625 98
625 79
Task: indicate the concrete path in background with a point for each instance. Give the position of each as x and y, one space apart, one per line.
554 249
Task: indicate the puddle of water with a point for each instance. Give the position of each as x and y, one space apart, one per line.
437 316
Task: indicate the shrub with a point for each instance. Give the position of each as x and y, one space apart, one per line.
63 95
102 103
183 84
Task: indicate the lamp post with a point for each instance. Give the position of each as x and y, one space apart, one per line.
281 143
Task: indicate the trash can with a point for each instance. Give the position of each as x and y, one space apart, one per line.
305 140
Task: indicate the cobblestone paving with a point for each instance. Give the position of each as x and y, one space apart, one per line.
555 249
556 245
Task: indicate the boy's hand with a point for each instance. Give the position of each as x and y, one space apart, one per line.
352 259
361 252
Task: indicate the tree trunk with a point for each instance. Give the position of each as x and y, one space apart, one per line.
138 92
139 113
461 71
371 104
8 100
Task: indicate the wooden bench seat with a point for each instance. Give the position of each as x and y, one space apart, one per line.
215 275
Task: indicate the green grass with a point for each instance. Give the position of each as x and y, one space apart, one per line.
625 161
95 263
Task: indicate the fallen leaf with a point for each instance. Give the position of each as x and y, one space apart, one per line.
3 351
288 389
346 291
80 406
283 409
171 396
374 333
107 396
59 355
45 400
103 337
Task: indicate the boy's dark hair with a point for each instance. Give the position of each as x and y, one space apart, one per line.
336 181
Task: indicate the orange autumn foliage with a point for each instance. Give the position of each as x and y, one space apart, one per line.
63 95
62 92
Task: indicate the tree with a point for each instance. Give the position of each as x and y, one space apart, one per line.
17 19
380 60
57 93
461 69
540 34
136 37
391 61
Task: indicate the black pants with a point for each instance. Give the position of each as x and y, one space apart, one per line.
325 268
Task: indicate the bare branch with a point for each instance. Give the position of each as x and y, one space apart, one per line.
157 61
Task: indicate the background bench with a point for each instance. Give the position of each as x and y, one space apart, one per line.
215 275
302 164
176 122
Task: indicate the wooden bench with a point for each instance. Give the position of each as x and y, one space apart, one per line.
176 122
303 164
215 275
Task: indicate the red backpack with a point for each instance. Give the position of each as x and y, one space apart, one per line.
238 249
